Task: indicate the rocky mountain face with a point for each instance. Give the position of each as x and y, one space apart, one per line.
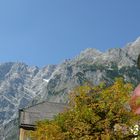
93 66
19 84
22 85
133 48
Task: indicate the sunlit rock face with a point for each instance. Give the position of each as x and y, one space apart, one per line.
133 48
135 100
19 84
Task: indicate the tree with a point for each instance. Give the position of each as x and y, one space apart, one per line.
138 61
96 113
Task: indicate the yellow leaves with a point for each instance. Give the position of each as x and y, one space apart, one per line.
47 131
95 114
138 101
105 137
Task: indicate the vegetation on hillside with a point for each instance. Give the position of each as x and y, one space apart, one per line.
96 113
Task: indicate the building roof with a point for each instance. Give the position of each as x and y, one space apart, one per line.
45 110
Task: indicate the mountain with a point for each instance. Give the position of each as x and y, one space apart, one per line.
93 66
19 84
22 85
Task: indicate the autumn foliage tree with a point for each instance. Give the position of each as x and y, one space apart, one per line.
95 113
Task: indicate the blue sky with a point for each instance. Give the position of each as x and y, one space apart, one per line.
41 32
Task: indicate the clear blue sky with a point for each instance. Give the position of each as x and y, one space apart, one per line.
41 32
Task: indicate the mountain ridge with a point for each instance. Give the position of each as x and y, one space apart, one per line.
22 85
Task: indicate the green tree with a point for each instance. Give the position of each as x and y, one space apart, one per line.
95 113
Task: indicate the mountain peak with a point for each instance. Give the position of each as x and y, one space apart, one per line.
89 54
91 50
133 48
137 41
